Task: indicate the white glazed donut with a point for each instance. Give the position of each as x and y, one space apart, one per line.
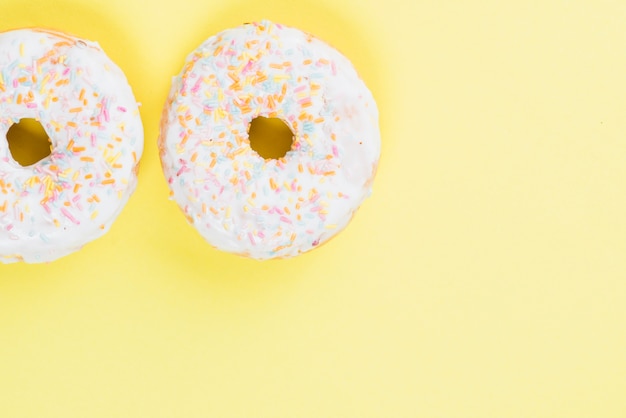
83 101
239 201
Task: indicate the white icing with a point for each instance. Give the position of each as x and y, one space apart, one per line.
238 201
83 101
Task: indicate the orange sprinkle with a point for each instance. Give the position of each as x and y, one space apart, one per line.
75 109
194 156
72 124
87 159
300 168
81 96
108 181
273 184
78 149
214 211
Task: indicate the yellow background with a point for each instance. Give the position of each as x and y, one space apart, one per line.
486 277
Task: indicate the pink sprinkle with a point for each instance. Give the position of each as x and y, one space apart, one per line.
9 227
93 139
334 67
31 105
196 86
66 72
251 238
46 207
76 198
261 234
106 115
335 151
304 100
299 89
121 109
247 67
15 83
285 219
69 216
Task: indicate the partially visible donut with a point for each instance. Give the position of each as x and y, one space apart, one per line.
239 201
83 101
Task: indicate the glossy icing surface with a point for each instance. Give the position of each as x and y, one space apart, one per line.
268 208
83 101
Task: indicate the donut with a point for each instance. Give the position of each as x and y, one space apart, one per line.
83 102
257 207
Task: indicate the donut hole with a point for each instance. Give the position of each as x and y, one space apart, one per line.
271 138
28 142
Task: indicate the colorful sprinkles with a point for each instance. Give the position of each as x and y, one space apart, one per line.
83 101
239 201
